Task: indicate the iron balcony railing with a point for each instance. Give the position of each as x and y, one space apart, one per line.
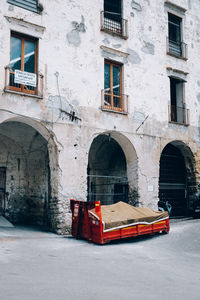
11 86
178 49
114 101
178 115
113 23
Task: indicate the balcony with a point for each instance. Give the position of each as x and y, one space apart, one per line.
114 102
177 49
30 89
178 115
114 24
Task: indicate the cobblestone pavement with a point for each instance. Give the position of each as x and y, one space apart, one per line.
39 265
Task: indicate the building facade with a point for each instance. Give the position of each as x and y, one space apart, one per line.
99 100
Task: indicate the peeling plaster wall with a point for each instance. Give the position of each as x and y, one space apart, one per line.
72 62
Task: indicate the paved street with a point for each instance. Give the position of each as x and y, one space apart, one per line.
44 266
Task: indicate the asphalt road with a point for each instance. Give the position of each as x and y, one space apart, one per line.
37 265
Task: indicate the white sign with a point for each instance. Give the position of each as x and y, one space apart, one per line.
25 78
150 188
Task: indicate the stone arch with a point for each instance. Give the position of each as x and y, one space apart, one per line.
185 160
116 145
41 150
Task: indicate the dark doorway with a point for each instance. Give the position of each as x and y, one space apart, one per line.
107 175
173 180
2 189
178 112
24 152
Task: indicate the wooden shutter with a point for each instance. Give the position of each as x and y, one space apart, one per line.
31 5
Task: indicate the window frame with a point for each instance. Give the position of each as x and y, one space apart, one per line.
178 42
33 7
111 94
178 48
110 23
24 38
178 113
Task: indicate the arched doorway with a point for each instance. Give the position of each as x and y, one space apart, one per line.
109 177
25 174
177 178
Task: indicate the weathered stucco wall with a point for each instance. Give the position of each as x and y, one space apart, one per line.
71 58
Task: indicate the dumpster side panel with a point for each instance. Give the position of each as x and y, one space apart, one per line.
96 229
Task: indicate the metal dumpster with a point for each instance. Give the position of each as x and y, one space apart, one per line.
101 224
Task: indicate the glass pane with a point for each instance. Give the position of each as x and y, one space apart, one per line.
29 57
117 102
116 80
174 33
15 53
107 99
107 78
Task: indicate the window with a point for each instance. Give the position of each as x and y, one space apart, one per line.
111 18
113 99
112 84
23 57
31 5
176 46
178 113
112 10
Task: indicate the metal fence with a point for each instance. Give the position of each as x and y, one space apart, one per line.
178 115
113 23
114 101
107 189
179 49
10 84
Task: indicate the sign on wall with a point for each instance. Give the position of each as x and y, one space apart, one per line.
25 78
150 188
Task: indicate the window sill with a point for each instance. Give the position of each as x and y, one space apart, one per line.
117 111
177 56
23 94
114 33
177 123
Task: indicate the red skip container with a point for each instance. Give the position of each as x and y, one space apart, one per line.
101 224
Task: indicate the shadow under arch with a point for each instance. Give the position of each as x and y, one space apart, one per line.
177 178
31 188
38 126
112 169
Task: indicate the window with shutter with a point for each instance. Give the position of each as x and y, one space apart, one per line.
175 45
31 5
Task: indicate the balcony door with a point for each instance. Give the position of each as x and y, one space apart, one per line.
113 15
113 85
177 104
23 57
